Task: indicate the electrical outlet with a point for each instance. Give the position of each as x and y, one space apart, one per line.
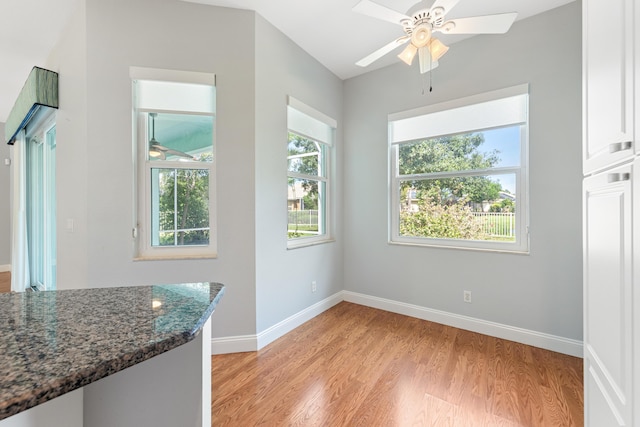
313 286
467 296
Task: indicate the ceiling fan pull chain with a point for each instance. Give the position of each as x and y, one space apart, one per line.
430 73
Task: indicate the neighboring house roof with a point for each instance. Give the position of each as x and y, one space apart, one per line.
505 195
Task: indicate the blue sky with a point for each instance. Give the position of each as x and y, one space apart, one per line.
507 142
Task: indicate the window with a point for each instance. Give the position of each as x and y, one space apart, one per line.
309 145
40 150
174 118
459 173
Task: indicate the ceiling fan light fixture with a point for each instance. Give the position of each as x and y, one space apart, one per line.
154 151
437 49
157 150
155 154
421 35
408 54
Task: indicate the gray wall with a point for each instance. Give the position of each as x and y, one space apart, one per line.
541 291
265 282
5 206
69 59
95 170
283 277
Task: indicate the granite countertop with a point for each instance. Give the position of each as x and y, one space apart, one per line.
54 342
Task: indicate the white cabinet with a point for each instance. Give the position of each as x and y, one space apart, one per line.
611 212
608 66
608 296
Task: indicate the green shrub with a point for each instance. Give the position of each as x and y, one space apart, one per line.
453 221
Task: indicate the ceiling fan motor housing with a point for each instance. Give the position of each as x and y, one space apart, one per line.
421 20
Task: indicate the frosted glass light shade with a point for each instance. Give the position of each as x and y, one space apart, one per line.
437 48
408 54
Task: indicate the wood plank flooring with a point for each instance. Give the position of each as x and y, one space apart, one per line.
358 366
5 281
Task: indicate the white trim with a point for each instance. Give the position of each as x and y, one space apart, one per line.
164 75
5 268
245 343
537 339
469 118
461 102
311 112
234 344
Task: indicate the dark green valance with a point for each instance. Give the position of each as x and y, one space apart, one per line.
40 89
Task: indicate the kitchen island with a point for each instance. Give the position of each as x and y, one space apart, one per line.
124 356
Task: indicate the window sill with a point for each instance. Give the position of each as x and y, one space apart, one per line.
296 244
173 257
463 248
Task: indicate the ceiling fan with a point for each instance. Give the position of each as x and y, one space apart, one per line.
419 24
158 151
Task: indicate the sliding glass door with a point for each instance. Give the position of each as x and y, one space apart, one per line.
41 204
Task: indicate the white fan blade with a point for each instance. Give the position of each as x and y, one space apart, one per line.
446 5
179 154
382 51
369 8
490 24
163 151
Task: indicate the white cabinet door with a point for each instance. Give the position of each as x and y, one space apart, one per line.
608 82
608 334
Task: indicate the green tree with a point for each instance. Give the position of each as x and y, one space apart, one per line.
184 205
505 205
303 158
450 153
442 207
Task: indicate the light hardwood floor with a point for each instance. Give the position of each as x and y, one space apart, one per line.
5 281
358 366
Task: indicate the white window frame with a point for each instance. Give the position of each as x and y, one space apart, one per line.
142 229
313 125
444 119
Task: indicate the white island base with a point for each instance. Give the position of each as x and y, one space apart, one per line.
168 390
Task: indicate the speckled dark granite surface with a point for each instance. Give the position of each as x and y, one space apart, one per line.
54 342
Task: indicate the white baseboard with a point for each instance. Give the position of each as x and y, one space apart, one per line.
234 344
279 329
511 333
4 268
243 343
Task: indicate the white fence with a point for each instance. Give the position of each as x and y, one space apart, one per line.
497 224
306 217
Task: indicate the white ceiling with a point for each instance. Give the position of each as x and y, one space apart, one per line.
28 31
327 29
